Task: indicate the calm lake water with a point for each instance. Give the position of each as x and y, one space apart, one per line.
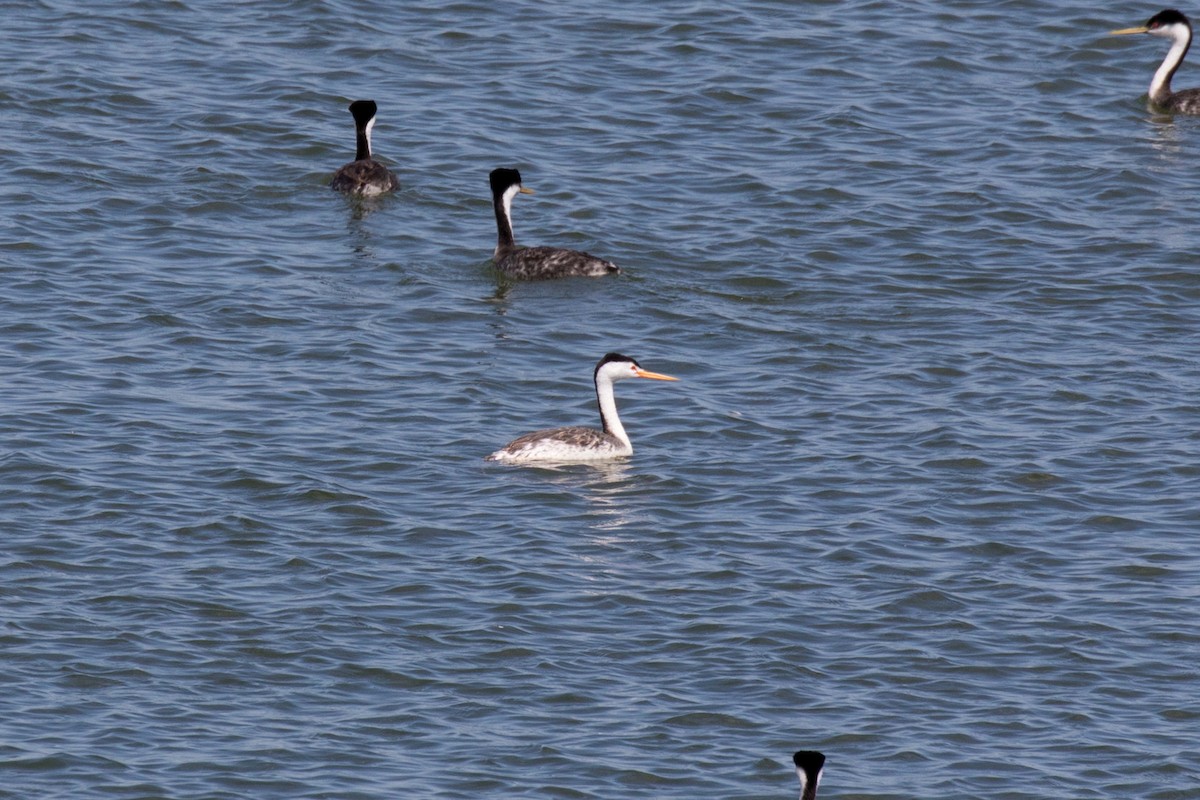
926 497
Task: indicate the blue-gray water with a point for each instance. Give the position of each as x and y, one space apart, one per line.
925 499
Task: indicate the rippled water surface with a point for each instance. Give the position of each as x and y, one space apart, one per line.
925 499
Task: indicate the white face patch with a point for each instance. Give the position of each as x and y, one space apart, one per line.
1172 31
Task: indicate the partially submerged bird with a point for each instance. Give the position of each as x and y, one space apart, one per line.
364 175
574 444
1169 24
534 263
809 766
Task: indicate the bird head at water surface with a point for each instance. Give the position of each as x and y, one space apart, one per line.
1161 24
810 764
619 367
363 111
502 179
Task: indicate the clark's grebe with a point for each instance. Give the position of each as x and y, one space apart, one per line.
1169 24
364 175
534 263
809 766
577 443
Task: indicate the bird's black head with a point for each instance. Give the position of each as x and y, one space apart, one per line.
1167 17
809 760
363 110
809 764
611 357
502 178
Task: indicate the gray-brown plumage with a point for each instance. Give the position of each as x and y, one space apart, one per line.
364 175
572 437
534 263
1173 25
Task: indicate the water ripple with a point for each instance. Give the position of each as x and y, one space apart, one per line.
923 498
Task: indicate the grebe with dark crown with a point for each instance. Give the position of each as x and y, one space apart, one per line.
809 766
364 175
534 263
1169 24
577 443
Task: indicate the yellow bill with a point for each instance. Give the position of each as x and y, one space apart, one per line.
641 373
